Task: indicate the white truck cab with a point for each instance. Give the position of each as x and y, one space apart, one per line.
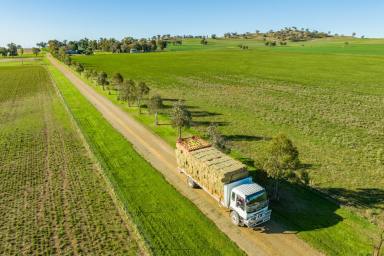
248 204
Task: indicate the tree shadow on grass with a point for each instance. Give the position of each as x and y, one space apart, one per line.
246 138
171 99
300 209
208 123
359 198
204 114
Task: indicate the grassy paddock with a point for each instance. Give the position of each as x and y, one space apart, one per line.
318 221
329 104
169 223
53 198
332 114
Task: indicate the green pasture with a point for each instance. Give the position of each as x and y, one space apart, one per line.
326 96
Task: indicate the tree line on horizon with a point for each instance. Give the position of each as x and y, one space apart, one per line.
292 34
125 45
13 49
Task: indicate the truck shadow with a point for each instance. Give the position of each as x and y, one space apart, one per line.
298 209
303 209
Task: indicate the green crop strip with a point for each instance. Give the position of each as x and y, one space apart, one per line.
53 199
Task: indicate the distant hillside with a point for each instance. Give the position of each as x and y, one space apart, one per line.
292 34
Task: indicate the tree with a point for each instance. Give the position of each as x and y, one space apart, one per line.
283 159
213 36
102 79
117 80
353 34
162 44
128 91
87 73
3 51
79 68
217 140
68 60
12 49
142 90
180 116
41 45
35 51
21 50
155 104
88 51
203 41
94 74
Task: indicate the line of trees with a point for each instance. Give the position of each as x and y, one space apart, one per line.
11 50
293 34
126 90
134 93
282 162
88 47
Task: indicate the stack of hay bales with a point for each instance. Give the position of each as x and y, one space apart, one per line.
207 165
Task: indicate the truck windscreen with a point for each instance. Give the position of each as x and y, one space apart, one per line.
255 202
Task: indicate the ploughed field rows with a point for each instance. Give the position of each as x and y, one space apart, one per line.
53 200
169 223
330 105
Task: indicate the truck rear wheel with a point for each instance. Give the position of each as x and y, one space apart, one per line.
191 183
235 218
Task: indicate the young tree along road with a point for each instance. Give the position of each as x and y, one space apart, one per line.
273 241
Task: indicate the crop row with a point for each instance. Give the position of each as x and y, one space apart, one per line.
53 198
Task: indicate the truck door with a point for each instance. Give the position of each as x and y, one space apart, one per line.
238 204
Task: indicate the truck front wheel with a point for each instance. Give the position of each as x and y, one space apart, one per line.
235 218
191 183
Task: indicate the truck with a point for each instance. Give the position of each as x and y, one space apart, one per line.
225 179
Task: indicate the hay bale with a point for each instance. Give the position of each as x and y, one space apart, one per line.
207 165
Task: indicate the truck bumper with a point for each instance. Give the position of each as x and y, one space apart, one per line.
258 219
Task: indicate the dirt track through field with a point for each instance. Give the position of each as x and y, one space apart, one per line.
269 241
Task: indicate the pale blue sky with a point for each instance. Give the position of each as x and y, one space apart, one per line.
26 22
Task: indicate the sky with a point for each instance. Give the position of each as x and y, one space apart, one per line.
27 22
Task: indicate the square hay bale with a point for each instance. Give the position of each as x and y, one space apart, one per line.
207 165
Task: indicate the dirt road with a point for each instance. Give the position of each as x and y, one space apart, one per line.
271 241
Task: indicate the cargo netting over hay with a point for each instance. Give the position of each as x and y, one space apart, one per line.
207 165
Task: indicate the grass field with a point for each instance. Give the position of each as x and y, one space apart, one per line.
325 95
169 223
53 199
